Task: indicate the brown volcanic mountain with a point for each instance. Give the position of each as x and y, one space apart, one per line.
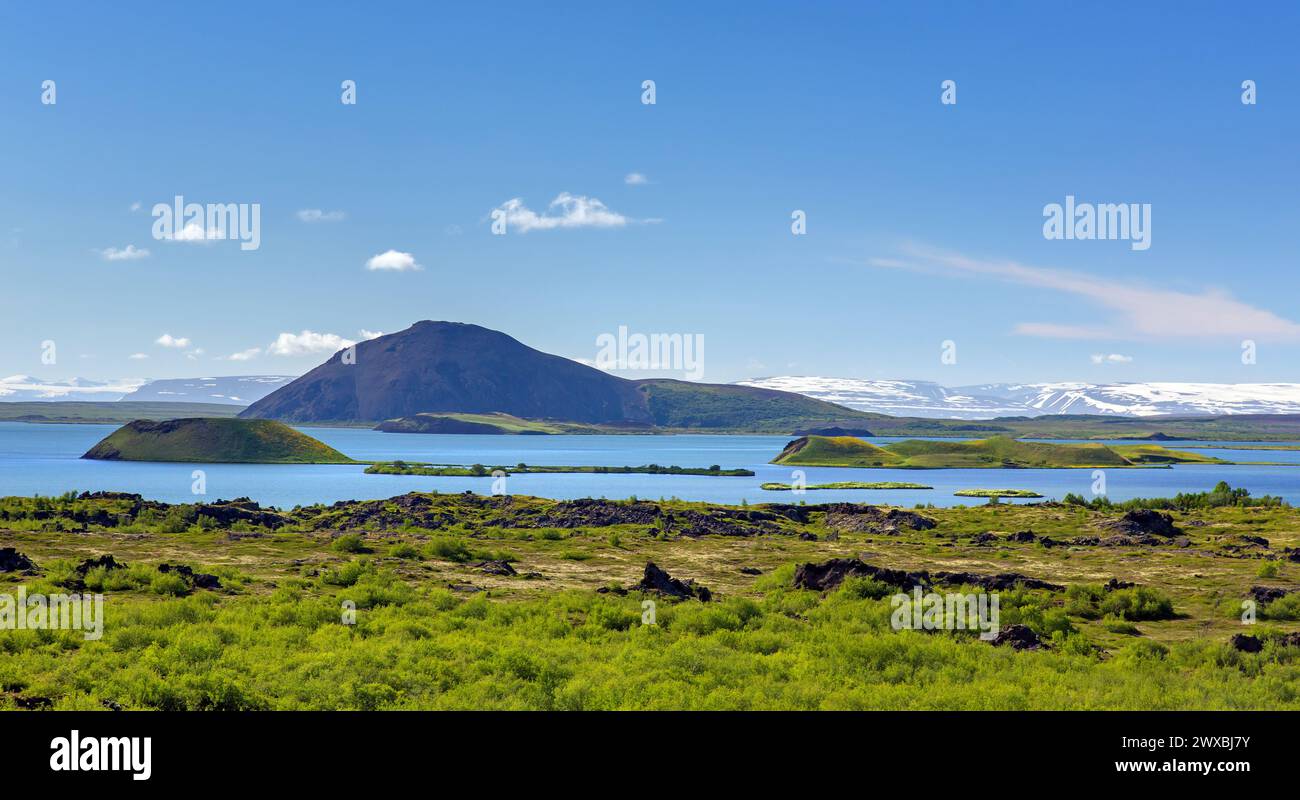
457 367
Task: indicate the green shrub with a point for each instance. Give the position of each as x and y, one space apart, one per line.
404 550
448 549
1138 603
169 583
1269 569
350 543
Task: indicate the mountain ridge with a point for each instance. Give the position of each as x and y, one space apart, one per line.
928 399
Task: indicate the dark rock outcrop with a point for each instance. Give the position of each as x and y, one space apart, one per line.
198 580
1246 643
830 574
13 561
1018 637
660 582
1144 522
1267 594
497 567
860 518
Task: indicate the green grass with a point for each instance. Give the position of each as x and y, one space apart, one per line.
1025 493
274 636
204 440
996 452
778 487
836 451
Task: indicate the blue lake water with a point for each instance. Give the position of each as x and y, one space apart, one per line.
45 459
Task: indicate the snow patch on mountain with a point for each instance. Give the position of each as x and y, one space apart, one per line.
25 388
239 390
927 399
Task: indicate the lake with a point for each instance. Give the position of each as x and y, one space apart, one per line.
45 459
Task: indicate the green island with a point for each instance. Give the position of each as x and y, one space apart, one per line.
216 441
480 471
778 487
458 601
994 494
997 452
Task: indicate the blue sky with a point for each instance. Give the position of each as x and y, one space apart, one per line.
924 220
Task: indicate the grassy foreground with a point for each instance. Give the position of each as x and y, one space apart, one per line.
440 624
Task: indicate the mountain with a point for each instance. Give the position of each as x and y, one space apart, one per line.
25 388
239 390
897 398
456 367
201 440
987 401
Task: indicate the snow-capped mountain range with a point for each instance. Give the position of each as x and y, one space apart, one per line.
234 390
927 399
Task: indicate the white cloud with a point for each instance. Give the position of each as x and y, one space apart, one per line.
635 179
193 355
167 340
394 261
135 206
1138 311
138 356
1112 358
317 215
244 355
307 343
368 335
565 211
193 233
128 253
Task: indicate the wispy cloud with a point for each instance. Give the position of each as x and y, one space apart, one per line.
1111 358
392 261
317 215
243 355
138 356
193 233
128 253
177 342
565 211
1138 311
635 179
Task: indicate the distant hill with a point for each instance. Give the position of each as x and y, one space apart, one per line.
449 367
238 390
492 424
26 388
204 440
991 400
116 413
997 452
